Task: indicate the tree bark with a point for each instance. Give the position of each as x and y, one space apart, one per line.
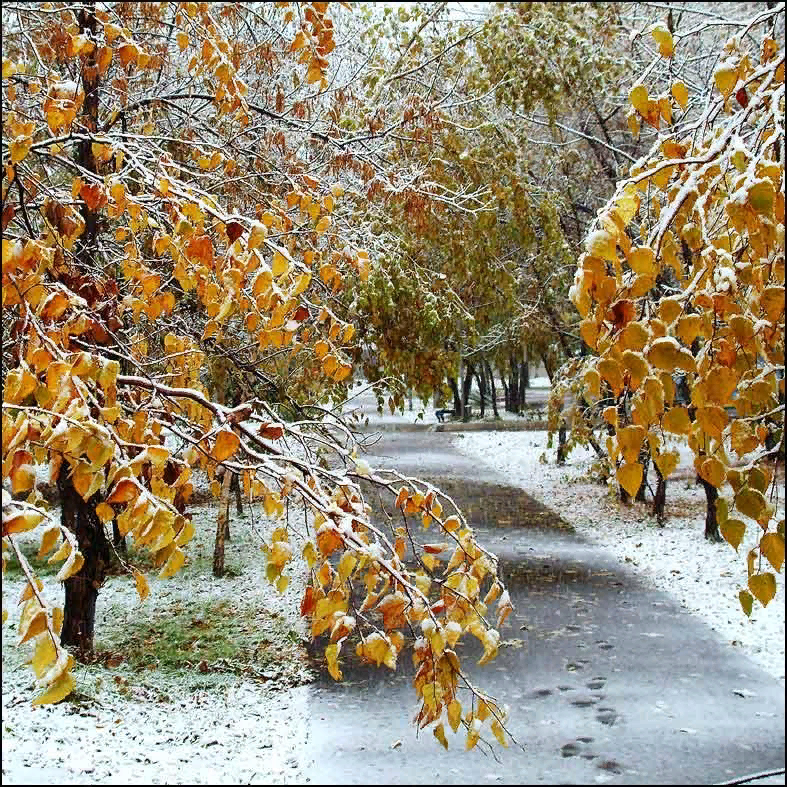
711 523
238 499
81 590
480 376
457 396
491 375
524 381
221 525
660 498
467 386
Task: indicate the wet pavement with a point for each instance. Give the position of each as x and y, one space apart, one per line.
606 679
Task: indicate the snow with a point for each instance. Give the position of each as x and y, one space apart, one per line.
704 578
140 727
130 726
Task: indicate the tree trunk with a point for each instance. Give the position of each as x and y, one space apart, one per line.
524 380
513 386
480 376
457 397
506 394
81 590
221 525
711 523
561 442
660 498
467 386
492 388
238 500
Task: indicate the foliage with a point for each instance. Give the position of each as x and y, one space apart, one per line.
683 275
180 198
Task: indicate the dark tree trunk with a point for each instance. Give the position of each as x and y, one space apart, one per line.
82 589
480 376
222 525
513 386
561 442
238 500
506 395
492 388
457 397
78 515
711 523
660 498
467 385
524 380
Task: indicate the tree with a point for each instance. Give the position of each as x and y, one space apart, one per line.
683 273
173 199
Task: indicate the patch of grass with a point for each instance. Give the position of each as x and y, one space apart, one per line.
13 570
213 637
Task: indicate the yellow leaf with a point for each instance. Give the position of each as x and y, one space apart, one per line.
439 733
227 443
732 531
712 470
664 40
763 587
143 589
499 733
183 40
639 99
630 477
61 688
726 77
48 540
712 420
323 224
44 655
73 564
281 583
680 94
454 711
750 502
280 264
332 659
772 547
667 462
35 625
62 553
630 440
642 260
601 244
173 564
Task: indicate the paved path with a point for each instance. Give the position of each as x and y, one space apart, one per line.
607 680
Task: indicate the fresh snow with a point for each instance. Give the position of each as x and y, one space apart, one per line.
704 578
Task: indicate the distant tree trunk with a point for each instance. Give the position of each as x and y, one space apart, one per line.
457 396
221 525
467 385
506 395
711 523
660 498
238 499
491 376
513 385
480 376
644 458
81 590
524 381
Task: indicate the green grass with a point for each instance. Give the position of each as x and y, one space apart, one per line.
212 637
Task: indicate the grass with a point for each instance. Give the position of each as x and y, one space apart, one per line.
215 636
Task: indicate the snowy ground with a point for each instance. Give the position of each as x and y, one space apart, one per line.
705 578
203 723
139 726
